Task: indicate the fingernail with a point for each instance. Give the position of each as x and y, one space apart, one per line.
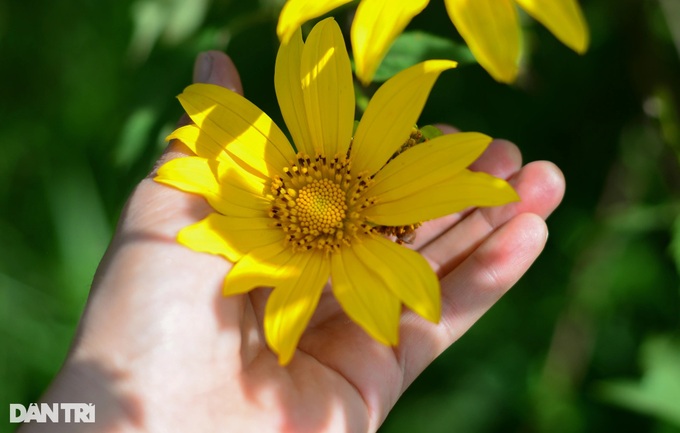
203 68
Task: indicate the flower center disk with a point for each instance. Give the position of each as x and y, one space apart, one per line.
321 206
319 203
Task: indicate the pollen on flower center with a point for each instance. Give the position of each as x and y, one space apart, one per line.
319 203
321 206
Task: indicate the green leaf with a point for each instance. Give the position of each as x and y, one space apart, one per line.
657 393
430 131
416 46
675 243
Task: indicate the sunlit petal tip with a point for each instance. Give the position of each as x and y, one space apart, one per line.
430 66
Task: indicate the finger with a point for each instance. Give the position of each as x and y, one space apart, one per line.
501 159
215 67
540 186
158 211
471 289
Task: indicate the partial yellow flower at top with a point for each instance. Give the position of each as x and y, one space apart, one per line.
292 220
490 28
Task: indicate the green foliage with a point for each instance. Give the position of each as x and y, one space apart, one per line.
86 106
412 47
675 243
658 391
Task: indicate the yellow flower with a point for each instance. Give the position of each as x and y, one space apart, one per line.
490 28
292 220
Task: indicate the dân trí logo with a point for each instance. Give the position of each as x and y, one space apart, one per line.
54 412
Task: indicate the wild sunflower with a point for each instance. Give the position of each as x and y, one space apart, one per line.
490 28
293 219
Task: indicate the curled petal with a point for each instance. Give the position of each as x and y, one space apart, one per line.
199 143
297 12
491 30
376 24
563 18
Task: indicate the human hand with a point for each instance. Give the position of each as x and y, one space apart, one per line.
160 349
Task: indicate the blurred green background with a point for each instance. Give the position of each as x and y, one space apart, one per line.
587 341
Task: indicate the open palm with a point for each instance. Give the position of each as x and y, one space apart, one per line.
160 349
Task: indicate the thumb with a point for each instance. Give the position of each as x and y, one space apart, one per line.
155 213
174 209
215 67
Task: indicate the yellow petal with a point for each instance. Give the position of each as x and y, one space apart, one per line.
288 83
191 174
364 297
204 146
230 237
563 18
201 144
406 273
297 12
491 30
239 175
233 121
327 89
428 164
376 24
392 113
199 176
463 190
264 266
292 303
